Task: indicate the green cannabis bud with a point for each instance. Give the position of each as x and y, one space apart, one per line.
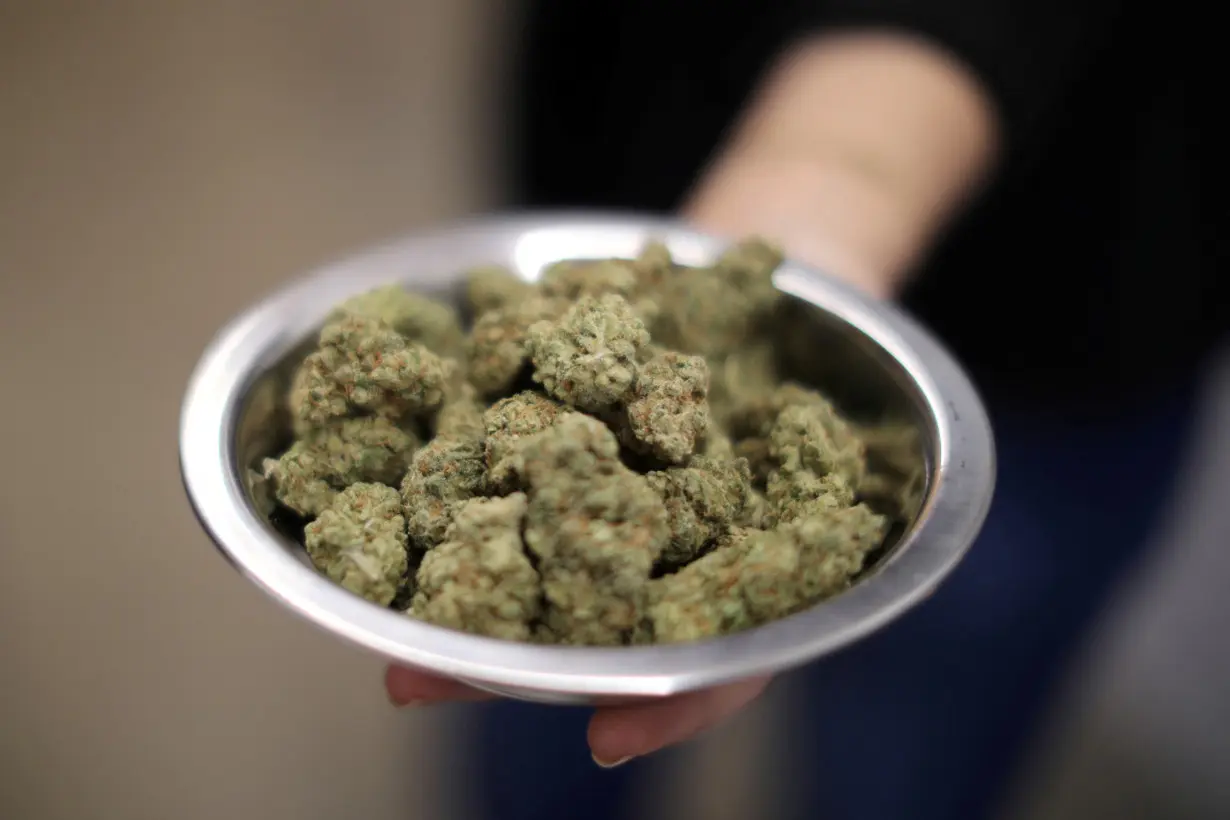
431 323
753 423
588 359
479 579
596 529
360 541
813 437
668 412
308 476
363 366
760 576
508 423
444 473
492 287
496 350
703 500
713 312
573 279
461 415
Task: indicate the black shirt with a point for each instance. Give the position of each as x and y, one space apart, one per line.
1094 267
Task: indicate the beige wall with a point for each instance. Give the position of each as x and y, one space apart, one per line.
162 163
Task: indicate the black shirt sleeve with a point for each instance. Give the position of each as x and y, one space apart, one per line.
1025 52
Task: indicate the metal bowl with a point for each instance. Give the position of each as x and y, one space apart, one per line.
872 358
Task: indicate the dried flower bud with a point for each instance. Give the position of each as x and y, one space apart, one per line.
492 287
328 459
668 412
596 529
461 415
509 422
479 579
496 348
360 541
363 366
429 322
761 576
813 437
715 311
588 359
702 501
443 474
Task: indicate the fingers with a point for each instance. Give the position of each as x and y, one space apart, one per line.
407 687
617 734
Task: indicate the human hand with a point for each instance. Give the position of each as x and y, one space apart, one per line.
616 733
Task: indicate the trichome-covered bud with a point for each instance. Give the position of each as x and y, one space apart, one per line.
360 541
461 415
752 421
429 322
596 529
574 447
715 311
748 266
668 412
491 287
363 366
795 494
702 501
508 423
743 376
308 476
652 267
479 579
444 473
760 576
834 545
813 437
496 348
573 278
896 478
588 358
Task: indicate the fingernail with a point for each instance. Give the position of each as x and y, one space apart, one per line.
613 763
404 703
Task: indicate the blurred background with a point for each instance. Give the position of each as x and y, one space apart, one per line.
164 163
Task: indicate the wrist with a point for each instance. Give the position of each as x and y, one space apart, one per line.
854 154
830 215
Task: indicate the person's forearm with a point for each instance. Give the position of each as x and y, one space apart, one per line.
857 151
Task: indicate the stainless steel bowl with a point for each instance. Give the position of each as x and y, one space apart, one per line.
872 357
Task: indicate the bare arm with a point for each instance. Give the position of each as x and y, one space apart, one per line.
859 148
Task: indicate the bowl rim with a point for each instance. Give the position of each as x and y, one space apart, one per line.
963 478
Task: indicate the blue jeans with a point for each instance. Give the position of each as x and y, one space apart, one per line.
927 719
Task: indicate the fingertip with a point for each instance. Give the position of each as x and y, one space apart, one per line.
408 687
624 732
616 735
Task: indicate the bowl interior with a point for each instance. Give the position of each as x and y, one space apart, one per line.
814 347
